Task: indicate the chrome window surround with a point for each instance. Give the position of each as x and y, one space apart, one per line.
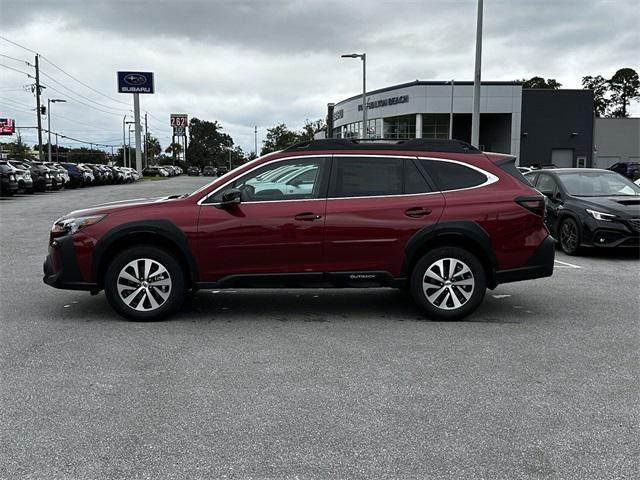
491 178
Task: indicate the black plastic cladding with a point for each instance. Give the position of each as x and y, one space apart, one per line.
413 144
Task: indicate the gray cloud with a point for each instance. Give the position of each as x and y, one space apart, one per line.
260 62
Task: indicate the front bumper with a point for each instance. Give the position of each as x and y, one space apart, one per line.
539 265
61 268
621 233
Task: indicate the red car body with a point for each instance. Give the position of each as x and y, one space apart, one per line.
358 241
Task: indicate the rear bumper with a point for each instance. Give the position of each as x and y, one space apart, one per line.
61 268
539 265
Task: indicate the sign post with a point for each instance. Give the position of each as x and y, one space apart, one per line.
179 122
136 83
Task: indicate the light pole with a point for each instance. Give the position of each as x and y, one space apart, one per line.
129 147
451 112
124 142
475 118
49 102
363 56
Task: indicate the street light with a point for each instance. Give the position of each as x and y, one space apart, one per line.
49 102
362 56
124 142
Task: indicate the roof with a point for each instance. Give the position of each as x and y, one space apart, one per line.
431 83
413 144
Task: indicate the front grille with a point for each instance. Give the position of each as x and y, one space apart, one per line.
635 223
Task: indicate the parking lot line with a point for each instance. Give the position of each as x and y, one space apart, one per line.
566 265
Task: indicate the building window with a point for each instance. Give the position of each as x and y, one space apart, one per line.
400 128
435 125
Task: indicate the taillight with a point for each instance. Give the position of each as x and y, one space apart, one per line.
535 204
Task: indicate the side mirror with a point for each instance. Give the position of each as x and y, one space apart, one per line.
547 193
231 196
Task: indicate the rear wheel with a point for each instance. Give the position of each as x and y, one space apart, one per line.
448 283
144 283
570 236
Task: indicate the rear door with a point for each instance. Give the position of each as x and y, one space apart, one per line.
376 203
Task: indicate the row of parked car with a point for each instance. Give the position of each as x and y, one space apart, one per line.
207 171
164 171
29 176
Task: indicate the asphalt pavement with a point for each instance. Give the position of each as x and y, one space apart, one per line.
542 382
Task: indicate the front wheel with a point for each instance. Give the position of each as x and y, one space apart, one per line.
448 283
570 236
144 283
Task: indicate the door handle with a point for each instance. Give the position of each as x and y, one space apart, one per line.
307 217
417 212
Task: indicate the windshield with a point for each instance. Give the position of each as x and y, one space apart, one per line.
597 184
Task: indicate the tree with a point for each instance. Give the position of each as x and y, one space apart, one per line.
208 145
625 87
174 149
540 82
600 86
153 146
17 149
279 138
310 129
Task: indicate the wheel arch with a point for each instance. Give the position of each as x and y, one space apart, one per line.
464 234
158 233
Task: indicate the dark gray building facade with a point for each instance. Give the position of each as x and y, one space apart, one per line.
557 128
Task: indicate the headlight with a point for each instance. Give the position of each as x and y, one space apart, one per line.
72 225
601 215
12 177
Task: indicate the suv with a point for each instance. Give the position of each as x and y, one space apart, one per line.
436 217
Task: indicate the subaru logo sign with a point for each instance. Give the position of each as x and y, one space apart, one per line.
135 82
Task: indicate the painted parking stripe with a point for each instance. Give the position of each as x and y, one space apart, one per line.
567 265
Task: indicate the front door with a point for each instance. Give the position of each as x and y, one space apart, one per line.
375 205
277 228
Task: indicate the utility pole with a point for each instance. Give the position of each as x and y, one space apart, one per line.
475 118
38 107
57 151
146 135
451 113
255 139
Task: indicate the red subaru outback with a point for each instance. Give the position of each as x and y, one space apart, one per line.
439 218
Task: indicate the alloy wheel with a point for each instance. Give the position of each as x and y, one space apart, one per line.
144 284
448 283
569 236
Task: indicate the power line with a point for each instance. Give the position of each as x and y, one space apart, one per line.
79 101
80 95
16 59
16 70
18 45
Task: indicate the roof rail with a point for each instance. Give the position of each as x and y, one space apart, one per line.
416 144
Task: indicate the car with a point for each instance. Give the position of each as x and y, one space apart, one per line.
438 218
75 174
23 176
588 207
193 171
8 181
40 174
222 171
631 170
151 171
209 171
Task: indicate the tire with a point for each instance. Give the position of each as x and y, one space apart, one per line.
570 236
438 298
167 293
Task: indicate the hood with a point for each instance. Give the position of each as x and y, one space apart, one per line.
120 205
620 204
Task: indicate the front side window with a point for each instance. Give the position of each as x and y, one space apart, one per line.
453 176
546 184
297 179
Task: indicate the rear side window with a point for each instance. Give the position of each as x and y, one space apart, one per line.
453 176
414 182
367 176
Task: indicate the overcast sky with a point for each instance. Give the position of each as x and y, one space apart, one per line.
247 63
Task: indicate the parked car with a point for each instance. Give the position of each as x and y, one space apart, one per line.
8 181
209 171
631 170
40 174
23 176
590 207
439 218
153 171
222 171
76 175
193 171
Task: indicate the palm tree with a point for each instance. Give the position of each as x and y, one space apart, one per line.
174 149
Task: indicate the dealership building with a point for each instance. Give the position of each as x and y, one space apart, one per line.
537 126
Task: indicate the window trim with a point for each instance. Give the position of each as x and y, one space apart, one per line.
491 178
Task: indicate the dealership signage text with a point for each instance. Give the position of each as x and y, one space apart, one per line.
386 102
